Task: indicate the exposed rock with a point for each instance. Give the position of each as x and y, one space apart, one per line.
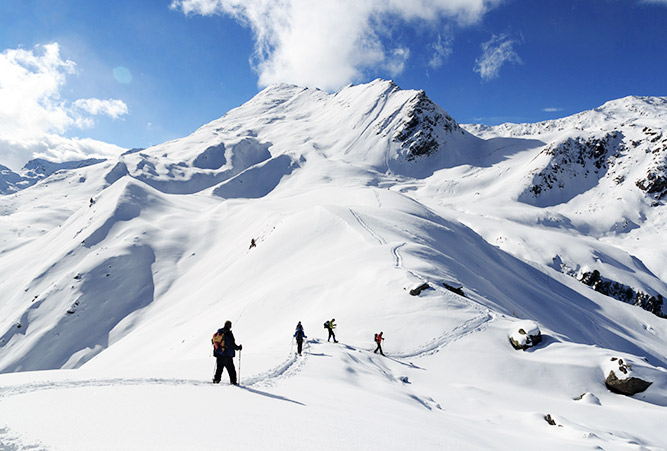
526 336
418 134
626 384
655 182
549 420
623 292
457 290
417 290
628 387
578 158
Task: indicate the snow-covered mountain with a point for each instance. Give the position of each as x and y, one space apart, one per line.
36 170
373 206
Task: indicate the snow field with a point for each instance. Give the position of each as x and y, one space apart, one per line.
117 300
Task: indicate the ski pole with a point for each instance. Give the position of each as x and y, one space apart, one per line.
239 366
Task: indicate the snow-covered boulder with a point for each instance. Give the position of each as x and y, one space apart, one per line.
526 335
589 398
620 379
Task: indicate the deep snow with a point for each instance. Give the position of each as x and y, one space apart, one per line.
108 306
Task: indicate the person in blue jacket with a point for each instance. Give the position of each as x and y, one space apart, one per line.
224 350
299 335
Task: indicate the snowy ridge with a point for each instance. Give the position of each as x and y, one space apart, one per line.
302 206
36 170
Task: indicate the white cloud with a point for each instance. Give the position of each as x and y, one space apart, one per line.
330 43
32 112
442 50
552 110
15 153
30 84
496 52
655 2
113 108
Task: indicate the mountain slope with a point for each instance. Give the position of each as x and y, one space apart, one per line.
118 273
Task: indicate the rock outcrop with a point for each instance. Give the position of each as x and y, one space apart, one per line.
623 383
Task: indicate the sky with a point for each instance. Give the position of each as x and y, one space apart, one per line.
81 77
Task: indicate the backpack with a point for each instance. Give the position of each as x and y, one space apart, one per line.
326 325
376 338
219 342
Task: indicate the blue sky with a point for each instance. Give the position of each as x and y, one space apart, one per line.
136 73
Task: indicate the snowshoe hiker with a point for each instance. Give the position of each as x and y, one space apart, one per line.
299 335
224 350
378 340
330 326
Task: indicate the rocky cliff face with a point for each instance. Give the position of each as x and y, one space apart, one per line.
574 166
654 144
421 134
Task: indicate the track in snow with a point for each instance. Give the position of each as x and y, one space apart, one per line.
293 364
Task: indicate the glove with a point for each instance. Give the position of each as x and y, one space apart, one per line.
240 347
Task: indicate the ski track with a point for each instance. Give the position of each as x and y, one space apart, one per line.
381 240
398 260
293 364
476 324
286 369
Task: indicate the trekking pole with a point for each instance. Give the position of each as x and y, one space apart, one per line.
239 367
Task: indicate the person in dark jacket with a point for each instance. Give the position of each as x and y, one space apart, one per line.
299 335
378 340
224 353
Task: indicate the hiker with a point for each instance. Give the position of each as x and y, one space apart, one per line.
224 350
378 340
299 335
330 326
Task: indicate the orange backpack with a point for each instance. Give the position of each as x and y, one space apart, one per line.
219 342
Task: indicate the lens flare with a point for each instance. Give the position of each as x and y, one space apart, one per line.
122 74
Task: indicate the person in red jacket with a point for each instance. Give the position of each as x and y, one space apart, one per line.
378 340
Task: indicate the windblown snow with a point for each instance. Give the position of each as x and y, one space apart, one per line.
372 206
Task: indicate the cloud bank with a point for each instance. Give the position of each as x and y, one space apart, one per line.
33 114
496 52
330 43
